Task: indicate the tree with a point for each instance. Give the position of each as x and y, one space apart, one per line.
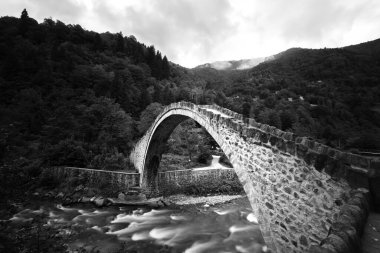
148 116
24 15
24 22
167 96
119 42
287 119
246 109
187 138
165 68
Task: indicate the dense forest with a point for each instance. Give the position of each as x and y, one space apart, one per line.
75 97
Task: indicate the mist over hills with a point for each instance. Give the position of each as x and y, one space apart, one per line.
236 65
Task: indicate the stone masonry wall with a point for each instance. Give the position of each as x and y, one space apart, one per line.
179 180
296 186
115 179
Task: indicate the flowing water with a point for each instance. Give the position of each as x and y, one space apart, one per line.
228 228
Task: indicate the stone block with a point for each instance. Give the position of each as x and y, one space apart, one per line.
273 140
301 150
320 161
264 128
264 137
290 147
310 157
298 140
289 136
281 145
337 243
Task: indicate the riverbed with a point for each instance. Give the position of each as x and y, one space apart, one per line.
194 224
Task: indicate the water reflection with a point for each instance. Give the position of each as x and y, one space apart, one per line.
110 229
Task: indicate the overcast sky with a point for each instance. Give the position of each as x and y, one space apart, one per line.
193 32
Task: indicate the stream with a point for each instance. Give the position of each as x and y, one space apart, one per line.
228 227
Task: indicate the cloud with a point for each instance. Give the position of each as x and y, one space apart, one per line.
185 30
192 32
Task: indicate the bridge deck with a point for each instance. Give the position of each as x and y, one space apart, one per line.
371 235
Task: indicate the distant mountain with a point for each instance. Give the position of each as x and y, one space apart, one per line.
235 65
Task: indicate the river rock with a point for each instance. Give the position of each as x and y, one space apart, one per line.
85 199
50 194
142 196
166 202
100 202
79 188
121 196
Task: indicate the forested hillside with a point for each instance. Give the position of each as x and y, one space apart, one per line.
69 96
329 94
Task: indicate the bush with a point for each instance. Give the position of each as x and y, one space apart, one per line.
204 158
112 160
68 153
48 180
33 169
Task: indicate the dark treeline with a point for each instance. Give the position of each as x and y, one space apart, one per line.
74 97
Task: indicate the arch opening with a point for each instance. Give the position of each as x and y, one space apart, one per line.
193 163
183 157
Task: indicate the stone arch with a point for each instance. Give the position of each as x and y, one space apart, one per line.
297 188
158 135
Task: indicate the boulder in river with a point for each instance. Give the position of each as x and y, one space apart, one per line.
100 202
121 196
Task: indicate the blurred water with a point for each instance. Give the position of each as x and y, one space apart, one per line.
230 229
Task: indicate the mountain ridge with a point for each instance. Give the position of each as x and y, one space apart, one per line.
369 47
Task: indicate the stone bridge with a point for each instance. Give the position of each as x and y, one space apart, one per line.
306 196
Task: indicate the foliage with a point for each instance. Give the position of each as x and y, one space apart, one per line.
148 116
72 97
48 180
204 158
